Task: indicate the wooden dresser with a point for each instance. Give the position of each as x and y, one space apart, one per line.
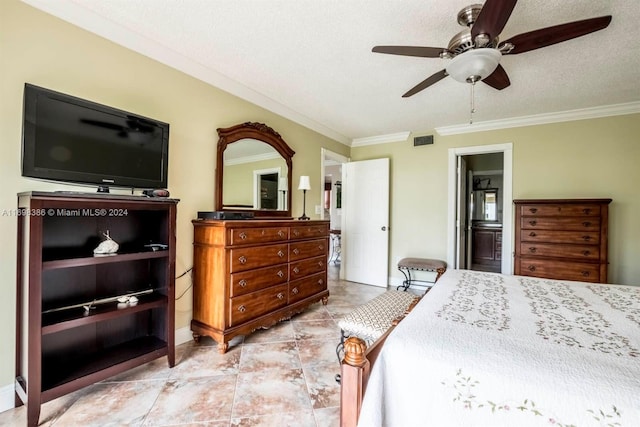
562 239
251 274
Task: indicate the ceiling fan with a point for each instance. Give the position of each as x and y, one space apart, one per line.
476 51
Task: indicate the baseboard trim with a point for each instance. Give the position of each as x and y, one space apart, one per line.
7 399
183 335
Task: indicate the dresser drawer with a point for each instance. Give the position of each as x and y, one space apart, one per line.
308 249
255 304
590 237
560 210
560 270
309 231
588 252
565 223
303 288
256 279
242 259
306 267
245 236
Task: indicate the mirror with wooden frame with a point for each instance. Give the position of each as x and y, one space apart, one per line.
253 171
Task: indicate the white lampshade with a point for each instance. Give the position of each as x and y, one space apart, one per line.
474 65
304 183
282 184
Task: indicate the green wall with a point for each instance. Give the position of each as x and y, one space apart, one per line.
46 51
595 158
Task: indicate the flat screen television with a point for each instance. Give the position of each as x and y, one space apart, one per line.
69 139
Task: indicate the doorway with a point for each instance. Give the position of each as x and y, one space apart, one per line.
331 203
480 196
482 249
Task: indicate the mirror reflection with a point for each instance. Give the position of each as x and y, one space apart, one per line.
485 205
255 176
253 170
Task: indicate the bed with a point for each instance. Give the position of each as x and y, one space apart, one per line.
486 349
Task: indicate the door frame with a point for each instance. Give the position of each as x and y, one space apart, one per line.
257 177
507 201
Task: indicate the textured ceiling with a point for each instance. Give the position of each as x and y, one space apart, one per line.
311 60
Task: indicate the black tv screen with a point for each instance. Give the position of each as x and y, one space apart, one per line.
69 139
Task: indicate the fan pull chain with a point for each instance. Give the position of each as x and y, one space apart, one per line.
473 107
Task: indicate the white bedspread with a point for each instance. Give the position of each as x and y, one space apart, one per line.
484 349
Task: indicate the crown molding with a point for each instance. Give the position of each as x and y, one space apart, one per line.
540 119
112 31
380 139
252 158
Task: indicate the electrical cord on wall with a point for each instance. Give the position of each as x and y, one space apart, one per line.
190 283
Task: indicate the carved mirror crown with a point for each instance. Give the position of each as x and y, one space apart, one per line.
247 170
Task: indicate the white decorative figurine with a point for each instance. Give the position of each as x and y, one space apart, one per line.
106 247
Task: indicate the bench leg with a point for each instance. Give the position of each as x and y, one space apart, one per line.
407 278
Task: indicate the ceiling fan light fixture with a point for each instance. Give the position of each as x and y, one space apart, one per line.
474 65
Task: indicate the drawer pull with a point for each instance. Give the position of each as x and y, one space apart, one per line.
243 235
532 234
242 260
320 282
295 291
320 264
532 268
280 233
242 309
586 253
586 223
296 233
586 238
533 223
586 211
280 274
280 295
296 270
533 249
321 247
242 283
533 210
280 254
585 273
296 251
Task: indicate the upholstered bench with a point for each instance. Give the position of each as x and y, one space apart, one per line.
407 265
369 321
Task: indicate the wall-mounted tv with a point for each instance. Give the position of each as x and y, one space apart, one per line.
69 139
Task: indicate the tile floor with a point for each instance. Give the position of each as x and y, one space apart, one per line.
282 376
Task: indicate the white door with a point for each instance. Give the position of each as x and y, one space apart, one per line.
461 214
365 235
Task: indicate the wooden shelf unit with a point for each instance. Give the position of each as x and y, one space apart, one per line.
60 349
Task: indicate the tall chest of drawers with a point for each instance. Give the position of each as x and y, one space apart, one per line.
562 239
251 274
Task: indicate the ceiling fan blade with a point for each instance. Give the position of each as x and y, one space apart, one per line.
492 18
434 78
102 124
498 79
424 52
556 34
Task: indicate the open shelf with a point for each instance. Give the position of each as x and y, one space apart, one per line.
73 318
67 259
61 349
56 373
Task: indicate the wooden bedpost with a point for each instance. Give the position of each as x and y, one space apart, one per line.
355 371
356 367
